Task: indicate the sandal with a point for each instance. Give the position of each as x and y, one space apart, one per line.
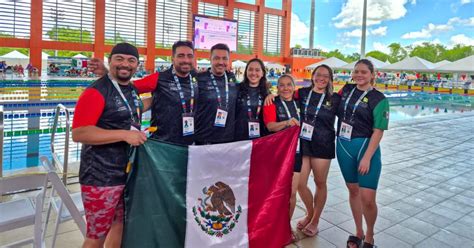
308 232
294 237
355 240
300 226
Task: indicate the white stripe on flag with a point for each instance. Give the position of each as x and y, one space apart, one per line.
207 166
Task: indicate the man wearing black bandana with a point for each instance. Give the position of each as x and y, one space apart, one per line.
175 94
107 121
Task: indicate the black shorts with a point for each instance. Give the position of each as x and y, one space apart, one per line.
298 162
324 150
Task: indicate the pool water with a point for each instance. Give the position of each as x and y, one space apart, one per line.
28 112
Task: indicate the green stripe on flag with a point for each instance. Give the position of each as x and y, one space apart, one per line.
156 219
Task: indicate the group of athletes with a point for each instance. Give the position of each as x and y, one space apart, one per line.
211 107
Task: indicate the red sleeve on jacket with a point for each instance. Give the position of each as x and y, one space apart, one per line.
89 108
296 95
269 114
147 84
340 91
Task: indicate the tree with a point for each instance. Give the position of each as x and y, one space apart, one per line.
353 57
397 52
428 51
457 52
298 46
335 53
378 55
69 35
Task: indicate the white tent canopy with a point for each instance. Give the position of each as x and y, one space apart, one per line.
332 62
377 63
441 63
275 66
203 62
79 56
238 63
160 60
463 65
14 55
44 61
15 58
44 56
410 64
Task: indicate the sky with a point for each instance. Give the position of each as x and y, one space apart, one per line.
408 22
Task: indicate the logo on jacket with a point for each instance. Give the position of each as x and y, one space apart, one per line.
216 213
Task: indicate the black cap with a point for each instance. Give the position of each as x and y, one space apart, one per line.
124 48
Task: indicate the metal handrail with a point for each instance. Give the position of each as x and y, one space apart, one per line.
55 156
1 140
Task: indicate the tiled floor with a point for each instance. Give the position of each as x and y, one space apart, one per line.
425 196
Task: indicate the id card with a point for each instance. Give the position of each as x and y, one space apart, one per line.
306 131
254 129
221 118
346 131
298 147
188 124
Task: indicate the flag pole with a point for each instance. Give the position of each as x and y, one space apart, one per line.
364 29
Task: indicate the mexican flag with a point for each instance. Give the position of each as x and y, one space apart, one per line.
227 195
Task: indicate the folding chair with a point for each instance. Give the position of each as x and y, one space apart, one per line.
66 205
25 211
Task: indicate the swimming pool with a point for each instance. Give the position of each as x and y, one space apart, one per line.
28 113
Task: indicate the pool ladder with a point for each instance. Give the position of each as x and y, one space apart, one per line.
56 161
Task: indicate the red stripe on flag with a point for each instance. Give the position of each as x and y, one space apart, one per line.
271 172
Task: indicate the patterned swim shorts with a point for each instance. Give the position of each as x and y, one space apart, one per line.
103 206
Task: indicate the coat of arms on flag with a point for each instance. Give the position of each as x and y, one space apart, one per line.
216 212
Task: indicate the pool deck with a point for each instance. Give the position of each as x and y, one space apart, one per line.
425 195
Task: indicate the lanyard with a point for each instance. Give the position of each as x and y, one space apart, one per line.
357 102
288 113
219 100
259 106
181 93
320 103
136 99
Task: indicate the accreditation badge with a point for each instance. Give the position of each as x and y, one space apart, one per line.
221 118
306 131
188 124
346 131
254 129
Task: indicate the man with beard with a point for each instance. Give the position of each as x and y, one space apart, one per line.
215 113
107 121
174 96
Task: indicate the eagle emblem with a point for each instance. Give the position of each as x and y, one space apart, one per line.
216 213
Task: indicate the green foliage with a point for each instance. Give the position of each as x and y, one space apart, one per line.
428 51
397 52
271 54
378 55
298 46
243 49
353 57
64 53
335 53
458 52
5 50
69 35
431 52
